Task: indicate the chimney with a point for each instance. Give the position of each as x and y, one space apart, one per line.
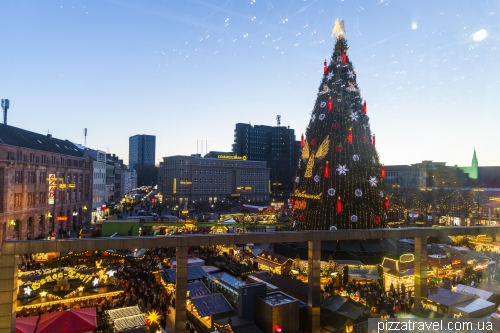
49 136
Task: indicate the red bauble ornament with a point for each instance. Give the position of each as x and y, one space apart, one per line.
302 216
365 137
336 125
376 219
339 206
349 136
364 107
330 104
314 142
344 57
327 169
386 204
302 141
382 172
325 68
339 148
373 139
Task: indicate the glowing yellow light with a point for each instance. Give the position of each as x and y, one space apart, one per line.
153 316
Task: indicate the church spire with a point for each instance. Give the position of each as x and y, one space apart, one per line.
474 159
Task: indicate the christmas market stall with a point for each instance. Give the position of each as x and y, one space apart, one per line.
399 273
26 324
363 274
70 321
274 263
205 309
125 318
335 310
64 288
441 301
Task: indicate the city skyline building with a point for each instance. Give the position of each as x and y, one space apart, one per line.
142 150
276 145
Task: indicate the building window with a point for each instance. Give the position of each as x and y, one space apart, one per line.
42 197
43 177
31 198
18 199
18 177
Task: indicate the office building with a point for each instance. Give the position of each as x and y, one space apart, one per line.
276 146
190 180
141 150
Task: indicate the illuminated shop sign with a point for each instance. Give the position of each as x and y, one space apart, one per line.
72 274
229 157
52 188
185 182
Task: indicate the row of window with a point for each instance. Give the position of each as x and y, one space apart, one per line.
44 159
32 176
42 197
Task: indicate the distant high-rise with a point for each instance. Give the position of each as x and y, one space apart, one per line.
141 150
274 144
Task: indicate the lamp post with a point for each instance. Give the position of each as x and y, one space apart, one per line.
349 326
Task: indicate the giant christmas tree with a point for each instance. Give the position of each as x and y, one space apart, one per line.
339 179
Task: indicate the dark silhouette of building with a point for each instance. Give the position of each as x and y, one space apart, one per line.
141 150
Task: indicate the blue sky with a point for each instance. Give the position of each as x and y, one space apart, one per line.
188 71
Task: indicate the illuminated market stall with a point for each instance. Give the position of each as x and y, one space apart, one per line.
399 272
274 263
125 318
204 309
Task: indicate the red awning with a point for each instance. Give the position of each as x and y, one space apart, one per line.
70 321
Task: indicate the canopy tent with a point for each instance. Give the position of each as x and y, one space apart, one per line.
335 310
474 308
26 324
69 321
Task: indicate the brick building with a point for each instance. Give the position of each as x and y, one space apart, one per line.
30 205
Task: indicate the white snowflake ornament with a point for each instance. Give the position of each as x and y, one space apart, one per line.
382 194
350 74
373 181
342 169
313 117
329 76
354 116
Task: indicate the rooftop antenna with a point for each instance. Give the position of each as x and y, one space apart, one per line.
85 134
278 119
196 146
5 107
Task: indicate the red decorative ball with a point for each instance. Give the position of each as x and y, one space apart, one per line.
336 125
339 148
314 142
365 137
302 216
376 219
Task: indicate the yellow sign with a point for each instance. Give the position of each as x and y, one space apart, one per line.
185 182
229 157
235 194
174 187
406 257
185 211
72 274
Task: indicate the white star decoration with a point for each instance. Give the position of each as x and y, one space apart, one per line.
80 288
27 290
354 116
43 293
329 76
95 282
350 74
111 273
373 181
342 169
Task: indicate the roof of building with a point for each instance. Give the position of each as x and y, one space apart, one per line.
343 306
208 305
18 137
197 289
467 290
227 279
277 298
447 297
272 257
194 273
240 325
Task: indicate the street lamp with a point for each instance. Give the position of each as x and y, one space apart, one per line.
349 326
